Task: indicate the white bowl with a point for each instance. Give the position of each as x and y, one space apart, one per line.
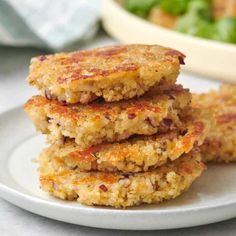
205 57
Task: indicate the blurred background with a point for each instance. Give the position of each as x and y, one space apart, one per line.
204 30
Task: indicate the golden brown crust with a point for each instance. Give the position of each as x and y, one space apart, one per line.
220 144
116 189
136 154
115 72
157 110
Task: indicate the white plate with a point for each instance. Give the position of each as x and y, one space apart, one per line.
206 57
212 198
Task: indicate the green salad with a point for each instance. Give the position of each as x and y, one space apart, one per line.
210 19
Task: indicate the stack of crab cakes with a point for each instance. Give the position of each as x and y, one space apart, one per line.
121 131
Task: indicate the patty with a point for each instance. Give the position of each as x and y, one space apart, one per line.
136 154
114 73
157 110
116 189
220 143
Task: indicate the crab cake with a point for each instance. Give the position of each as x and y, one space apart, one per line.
220 144
136 154
157 110
116 189
114 73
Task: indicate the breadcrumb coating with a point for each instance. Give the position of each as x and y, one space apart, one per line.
116 189
136 154
156 111
220 143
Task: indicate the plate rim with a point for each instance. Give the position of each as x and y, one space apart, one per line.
18 197
7 189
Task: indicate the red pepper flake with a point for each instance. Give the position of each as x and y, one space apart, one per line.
107 115
89 152
49 95
183 132
103 188
167 122
198 128
151 122
61 80
42 58
64 139
127 175
131 116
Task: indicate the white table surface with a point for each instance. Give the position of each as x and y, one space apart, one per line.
14 92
